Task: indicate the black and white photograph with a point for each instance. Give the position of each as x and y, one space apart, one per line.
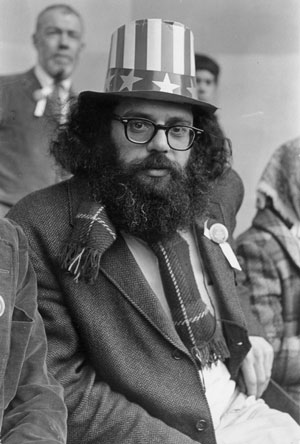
149 222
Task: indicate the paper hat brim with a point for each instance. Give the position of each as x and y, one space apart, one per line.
93 96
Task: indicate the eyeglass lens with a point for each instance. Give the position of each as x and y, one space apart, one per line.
179 137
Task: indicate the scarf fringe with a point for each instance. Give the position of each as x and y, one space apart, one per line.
210 353
82 262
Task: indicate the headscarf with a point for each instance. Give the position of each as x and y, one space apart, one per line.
280 182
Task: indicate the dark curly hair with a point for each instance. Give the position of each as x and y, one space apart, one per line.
77 147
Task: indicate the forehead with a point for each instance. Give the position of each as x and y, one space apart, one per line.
59 18
154 109
204 74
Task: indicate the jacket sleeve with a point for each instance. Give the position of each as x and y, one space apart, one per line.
254 327
96 413
36 412
264 280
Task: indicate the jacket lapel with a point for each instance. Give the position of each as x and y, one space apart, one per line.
134 287
132 284
221 274
30 84
119 266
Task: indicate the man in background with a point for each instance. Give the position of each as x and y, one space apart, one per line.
228 191
33 103
207 76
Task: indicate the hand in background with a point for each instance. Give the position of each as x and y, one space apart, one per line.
257 366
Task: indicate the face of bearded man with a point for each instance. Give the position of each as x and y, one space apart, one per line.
152 194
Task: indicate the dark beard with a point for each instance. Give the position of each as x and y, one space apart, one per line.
150 208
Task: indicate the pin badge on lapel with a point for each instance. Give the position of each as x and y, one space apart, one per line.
218 233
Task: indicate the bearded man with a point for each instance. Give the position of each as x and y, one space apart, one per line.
136 283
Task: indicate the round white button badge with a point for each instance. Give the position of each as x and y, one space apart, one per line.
218 233
2 306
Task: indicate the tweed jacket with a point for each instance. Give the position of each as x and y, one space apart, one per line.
25 164
270 257
31 401
127 376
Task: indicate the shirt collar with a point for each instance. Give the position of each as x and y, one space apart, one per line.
46 80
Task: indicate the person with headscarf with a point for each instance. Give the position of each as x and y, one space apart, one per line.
269 253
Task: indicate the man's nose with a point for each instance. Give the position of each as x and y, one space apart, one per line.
64 40
159 142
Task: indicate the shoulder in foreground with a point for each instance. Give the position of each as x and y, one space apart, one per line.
230 179
40 202
11 232
228 189
49 206
292 143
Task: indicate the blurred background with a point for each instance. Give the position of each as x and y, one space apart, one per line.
256 42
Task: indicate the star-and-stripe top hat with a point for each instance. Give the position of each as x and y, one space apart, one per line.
151 59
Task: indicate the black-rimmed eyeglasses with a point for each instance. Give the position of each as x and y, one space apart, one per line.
140 131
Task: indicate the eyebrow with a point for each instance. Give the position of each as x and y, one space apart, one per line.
171 120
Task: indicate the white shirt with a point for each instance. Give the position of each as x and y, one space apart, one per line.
47 83
46 80
219 387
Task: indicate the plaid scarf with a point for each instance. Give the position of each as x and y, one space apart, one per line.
93 233
196 326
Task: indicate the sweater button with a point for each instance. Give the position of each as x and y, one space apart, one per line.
176 354
201 425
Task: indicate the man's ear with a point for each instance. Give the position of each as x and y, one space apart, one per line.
82 46
34 39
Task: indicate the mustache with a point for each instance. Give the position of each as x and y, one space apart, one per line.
154 161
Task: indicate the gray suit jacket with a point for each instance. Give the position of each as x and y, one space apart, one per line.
25 164
127 376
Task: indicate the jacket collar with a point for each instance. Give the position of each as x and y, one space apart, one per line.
30 83
120 268
78 199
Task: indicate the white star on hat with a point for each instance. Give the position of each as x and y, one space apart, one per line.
129 80
166 85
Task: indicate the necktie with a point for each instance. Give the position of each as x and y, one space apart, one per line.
54 102
193 321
